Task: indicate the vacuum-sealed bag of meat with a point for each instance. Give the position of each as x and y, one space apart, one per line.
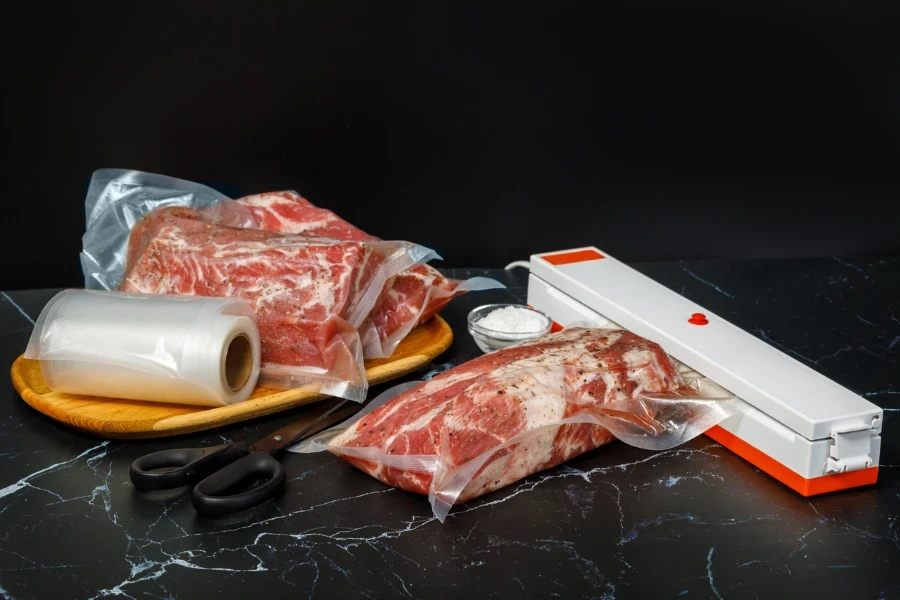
503 416
310 294
411 298
117 199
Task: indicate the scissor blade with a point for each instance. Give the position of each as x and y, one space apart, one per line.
310 423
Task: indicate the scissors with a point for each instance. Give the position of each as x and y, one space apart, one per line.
219 472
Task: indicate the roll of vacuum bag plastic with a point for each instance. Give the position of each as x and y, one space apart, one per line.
159 348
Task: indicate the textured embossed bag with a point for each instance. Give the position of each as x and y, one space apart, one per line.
505 415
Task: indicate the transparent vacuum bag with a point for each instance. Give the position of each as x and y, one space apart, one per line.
410 298
310 294
117 199
503 416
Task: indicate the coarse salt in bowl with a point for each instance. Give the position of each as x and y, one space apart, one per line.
496 326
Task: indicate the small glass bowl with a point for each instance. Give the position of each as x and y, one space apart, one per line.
491 339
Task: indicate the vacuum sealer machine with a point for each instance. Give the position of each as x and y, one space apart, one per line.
807 431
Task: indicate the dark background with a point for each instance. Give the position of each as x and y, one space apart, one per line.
654 130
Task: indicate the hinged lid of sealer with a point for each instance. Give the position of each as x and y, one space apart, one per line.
780 386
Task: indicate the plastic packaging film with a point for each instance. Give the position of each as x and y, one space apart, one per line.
410 298
153 234
379 343
570 408
117 199
158 348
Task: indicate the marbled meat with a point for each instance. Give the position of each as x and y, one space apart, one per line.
413 297
473 410
302 289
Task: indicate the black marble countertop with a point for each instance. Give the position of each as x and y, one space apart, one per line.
618 522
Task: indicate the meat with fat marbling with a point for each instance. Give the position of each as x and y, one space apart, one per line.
304 290
413 297
475 409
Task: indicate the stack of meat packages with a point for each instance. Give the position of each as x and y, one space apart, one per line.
326 294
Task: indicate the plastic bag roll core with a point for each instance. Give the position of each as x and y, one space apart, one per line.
237 362
157 348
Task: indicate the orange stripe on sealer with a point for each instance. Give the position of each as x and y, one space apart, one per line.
568 258
806 487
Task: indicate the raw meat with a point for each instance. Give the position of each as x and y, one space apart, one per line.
498 418
309 294
413 297
292 213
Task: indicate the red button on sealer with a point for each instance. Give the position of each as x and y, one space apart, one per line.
698 319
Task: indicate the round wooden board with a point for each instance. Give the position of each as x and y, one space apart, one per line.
129 419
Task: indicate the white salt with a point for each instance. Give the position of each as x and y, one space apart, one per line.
513 319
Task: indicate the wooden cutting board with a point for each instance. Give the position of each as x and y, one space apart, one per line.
129 419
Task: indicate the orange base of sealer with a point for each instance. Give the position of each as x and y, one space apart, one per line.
805 487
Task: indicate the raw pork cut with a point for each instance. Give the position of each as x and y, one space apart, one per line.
496 419
309 294
292 213
413 297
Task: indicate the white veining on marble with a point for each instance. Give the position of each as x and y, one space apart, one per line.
24 482
705 282
18 308
597 520
709 573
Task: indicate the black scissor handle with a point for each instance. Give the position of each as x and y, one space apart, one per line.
192 464
215 496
